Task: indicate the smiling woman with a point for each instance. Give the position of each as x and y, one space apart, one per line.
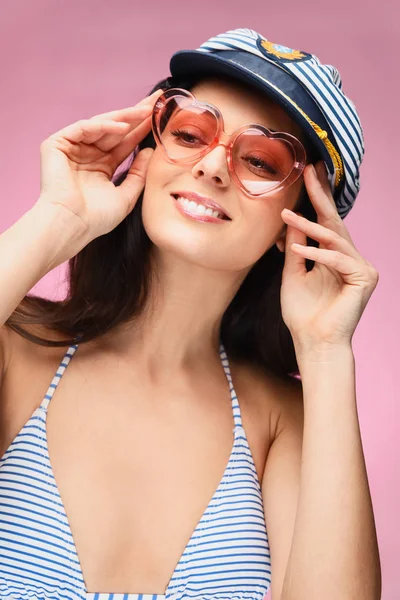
252 324
167 459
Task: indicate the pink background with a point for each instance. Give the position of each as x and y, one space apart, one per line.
66 60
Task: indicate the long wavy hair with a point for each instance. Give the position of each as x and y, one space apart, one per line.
108 285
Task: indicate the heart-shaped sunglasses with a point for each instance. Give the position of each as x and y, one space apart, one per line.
261 161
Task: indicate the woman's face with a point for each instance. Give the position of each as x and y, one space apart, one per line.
255 224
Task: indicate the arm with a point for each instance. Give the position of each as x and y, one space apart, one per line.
317 502
38 242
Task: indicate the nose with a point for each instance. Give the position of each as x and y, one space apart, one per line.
213 167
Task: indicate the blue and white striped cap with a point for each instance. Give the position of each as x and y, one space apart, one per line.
308 90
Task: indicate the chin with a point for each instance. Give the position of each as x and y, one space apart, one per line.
180 243
206 245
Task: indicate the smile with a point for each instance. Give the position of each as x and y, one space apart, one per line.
198 211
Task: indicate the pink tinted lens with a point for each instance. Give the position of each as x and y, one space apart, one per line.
261 163
185 129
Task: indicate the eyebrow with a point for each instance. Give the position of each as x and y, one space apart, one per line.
270 129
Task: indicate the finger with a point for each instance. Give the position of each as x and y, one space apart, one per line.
322 175
132 186
132 114
136 116
325 236
294 263
351 269
321 198
110 140
130 141
88 131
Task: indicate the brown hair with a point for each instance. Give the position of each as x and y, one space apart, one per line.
108 284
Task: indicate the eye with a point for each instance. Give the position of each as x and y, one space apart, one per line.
186 137
260 165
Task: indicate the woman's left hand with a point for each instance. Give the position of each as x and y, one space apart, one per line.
322 307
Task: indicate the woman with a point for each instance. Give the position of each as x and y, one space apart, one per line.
190 306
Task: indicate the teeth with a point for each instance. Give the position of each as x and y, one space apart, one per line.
199 209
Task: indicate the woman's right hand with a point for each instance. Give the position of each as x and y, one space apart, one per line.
78 162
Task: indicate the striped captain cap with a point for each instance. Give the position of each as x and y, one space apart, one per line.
308 90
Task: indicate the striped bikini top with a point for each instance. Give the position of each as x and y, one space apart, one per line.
227 556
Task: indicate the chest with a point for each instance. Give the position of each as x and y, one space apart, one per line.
137 467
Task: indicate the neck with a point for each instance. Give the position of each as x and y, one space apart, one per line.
180 324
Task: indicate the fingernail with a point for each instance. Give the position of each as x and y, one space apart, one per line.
323 171
314 171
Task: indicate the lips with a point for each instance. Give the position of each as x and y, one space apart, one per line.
207 202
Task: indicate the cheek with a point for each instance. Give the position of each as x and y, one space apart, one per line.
261 222
155 195
161 221
156 171
231 247
259 227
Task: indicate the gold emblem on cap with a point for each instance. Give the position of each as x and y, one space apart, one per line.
281 51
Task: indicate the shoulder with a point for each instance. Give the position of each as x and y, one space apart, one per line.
27 370
25 346
272 403
28 367
281 396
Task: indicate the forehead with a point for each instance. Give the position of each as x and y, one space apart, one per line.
240 104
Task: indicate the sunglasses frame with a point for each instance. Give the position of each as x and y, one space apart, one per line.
297 146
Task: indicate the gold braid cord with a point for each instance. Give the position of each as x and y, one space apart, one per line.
322 134
333 153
